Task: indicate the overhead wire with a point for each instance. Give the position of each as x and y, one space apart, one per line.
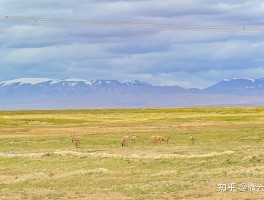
215 28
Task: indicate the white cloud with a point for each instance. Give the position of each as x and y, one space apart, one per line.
187 58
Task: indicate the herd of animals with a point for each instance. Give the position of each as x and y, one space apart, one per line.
125 139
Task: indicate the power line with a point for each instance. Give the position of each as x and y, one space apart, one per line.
242 29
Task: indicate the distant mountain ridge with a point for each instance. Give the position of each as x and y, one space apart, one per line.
45 93
238 86
69 82
51 87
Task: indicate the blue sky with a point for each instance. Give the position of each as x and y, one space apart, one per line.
158 56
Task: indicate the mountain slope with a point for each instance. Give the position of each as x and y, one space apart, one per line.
43 87
43 93
238 86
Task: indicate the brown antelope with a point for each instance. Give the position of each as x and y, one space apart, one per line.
75 140
124 141
192 139
133 138
159 139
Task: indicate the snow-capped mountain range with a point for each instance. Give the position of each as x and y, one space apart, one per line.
68 87
67 82
45 93
64 87
238 86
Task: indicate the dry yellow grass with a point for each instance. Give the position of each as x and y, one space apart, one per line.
38 160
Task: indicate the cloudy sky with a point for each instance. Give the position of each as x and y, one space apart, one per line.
187 58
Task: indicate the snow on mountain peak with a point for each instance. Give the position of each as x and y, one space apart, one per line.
73 81
137 83
22 81
235 79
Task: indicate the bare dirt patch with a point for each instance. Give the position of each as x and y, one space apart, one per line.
108 155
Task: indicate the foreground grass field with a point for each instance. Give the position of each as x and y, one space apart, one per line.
38 160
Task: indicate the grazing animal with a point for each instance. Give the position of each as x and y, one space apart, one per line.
75 140
159 139
133 138
124 141
192 139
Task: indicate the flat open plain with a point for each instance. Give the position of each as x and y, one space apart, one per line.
39 161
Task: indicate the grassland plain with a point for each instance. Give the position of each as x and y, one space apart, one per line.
38 160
